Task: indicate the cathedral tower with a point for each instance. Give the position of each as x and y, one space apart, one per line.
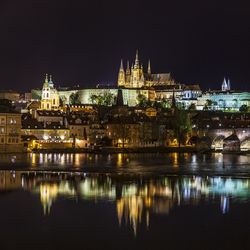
137 77
128 74
121 76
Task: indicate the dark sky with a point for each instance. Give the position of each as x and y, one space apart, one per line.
81 42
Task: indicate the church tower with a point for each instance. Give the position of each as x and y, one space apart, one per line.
121 76
149 68
137 77
50 96
225 85
128 74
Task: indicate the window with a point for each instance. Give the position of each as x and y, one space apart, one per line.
2 140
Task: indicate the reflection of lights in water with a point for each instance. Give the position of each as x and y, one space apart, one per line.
135 200
186 156
224 204
119 160
77 160
13 159
89 188
33 158
194 159
63 159
41 158
48 193
109 159
175 159
131 209
218 157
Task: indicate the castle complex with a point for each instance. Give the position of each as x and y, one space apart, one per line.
134 81
138 111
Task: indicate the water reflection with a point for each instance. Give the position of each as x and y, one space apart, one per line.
175 162
136 198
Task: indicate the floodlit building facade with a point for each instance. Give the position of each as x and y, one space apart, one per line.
10 132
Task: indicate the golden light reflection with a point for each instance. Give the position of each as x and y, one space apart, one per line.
136 198
48 193
119 160
175 159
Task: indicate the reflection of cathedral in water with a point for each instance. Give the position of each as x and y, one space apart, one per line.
136 198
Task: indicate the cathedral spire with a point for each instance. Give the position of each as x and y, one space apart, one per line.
228 84
121 66
128 64
224 86
121 75
137 59
149 67
128 68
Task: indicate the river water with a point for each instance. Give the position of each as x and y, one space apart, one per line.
150 201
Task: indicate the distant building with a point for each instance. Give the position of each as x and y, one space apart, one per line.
49 134
226 85
135 77
223 100
50 96
13 96
10 130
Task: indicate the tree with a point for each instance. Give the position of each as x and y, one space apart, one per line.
107 99
182 125
165 103
192 106
102 99
74 99
209 103
243 108
62 101
142 101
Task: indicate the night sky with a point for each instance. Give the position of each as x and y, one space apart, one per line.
82 42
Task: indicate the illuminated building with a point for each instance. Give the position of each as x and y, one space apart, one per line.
79 127
10 131
226 86
50 96
133 81
10 95
135 77
224 99
49 134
